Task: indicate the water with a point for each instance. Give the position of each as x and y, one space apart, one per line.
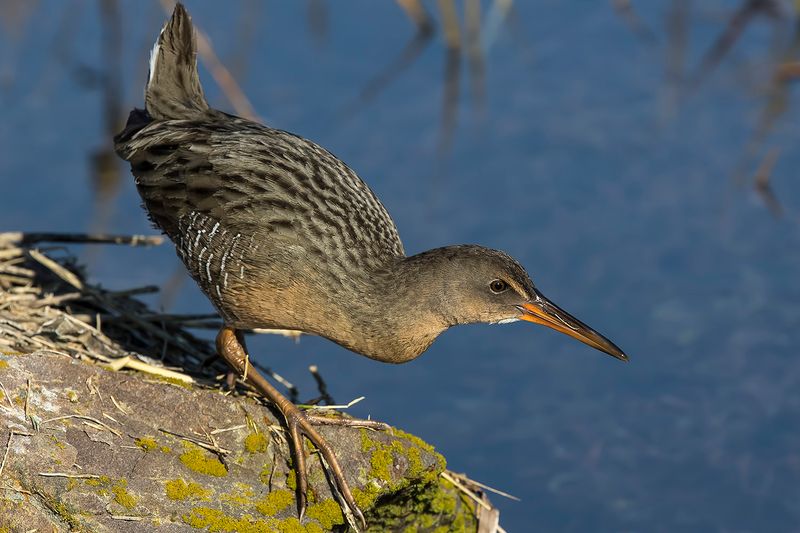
619 194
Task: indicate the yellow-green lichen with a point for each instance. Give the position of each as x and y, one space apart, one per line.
3 364
327 513
165 449
382 462
256 443
290 525
266 472
72 396
202 462
366 497
147 444
178 489
122 496
413 439
216 521
414 462
64 513
57 443
274 502
241 495
312 527
101 481
367 444
118 488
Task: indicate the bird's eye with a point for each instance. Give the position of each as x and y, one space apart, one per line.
498 286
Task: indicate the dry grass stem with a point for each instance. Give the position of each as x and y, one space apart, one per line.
70 476
213 447
224 430
88 420
345 406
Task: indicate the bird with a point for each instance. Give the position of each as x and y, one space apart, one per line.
280 233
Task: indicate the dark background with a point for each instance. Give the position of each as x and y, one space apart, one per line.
639 158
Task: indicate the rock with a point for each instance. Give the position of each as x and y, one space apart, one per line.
90 449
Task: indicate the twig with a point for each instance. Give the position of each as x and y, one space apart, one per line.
463 488
57 269
86 418
345 406
321 386
27 397
210 447
5 454
135 364
118 406
5 393
21 491
71 476
21 238
487 487
232 428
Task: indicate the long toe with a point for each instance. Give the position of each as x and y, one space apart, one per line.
320 419
303 426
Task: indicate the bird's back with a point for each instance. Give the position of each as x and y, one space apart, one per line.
245 203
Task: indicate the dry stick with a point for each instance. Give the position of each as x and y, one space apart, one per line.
11 433
486 487
210 447
463 488
85 418
135 364
147 289
105 302
323 389
5 393
57 269
118 406
128 518
71 476
18 237
232 428
5 454
27 397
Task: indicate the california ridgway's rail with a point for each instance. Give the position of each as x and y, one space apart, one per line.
279 233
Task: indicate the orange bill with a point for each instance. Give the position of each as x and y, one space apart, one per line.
542 311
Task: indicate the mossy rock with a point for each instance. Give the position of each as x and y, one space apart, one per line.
150 479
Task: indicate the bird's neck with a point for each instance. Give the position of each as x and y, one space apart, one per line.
395 313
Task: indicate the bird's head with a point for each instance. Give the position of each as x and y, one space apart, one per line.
469 284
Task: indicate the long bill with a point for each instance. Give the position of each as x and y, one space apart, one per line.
542 311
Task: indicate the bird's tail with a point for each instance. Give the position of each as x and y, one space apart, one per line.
173 87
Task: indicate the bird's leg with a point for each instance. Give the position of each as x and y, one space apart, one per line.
230 347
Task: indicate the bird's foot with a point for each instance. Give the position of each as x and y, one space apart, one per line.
230 346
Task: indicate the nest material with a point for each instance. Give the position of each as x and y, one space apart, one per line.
46 303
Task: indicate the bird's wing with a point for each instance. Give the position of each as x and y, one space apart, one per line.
257 181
